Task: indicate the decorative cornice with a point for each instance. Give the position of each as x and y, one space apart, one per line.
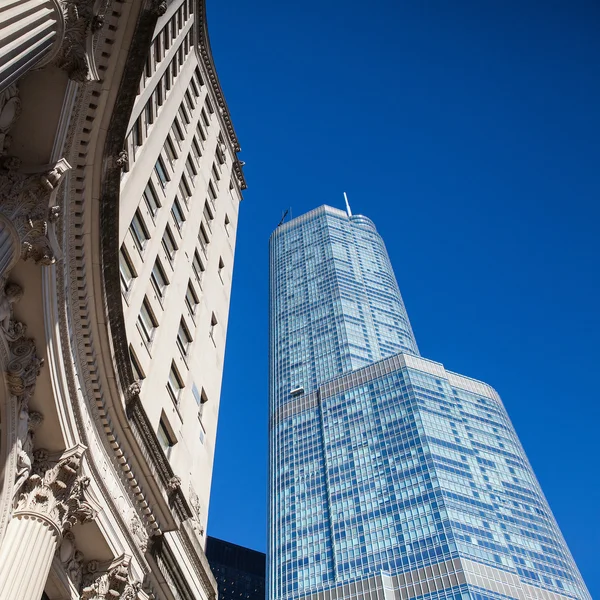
205 52
83 380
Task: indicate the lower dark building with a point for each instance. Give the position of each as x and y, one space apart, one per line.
239 571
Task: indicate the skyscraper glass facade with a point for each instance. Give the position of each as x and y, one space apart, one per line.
389 476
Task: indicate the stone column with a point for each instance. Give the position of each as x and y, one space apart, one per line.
52 500
31 33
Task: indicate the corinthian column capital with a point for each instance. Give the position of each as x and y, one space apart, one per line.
103 581
56 492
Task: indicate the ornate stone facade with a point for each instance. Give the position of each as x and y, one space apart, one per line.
89 500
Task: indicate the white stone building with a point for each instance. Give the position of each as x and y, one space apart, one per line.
119 195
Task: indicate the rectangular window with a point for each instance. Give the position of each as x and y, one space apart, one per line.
209 106
127 270
148 110
213 325
147 322
198 266
208 215
160 96
152 201
169 245
221 267
204 118
170 150
167 81
203 239
161 172
167 36
227 224
177 131
136 134
159 279
201 399
191 299
220 152
190 167
183 114
196 149
156 45
177 213
212 192
174 384
164 438
189 101
216 173
139 231
201 132
198 77
184 189
184 339
194 87
138 372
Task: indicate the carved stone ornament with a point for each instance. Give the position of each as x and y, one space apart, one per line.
122 160
133 390
174 484
72 559
27 203
160 7
109 581
10 110
138 531
196 520
76 55
56 491
28 422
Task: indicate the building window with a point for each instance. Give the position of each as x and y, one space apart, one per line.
147 322
216 174
177 131
191 299
139 231
136 134
197 267
198 77
190 167
184 339
174 384
194 87
149 111
204 118
169 245
212 192
138 372
209 106
196 149
227 223
220 152
160 96
165 438
184 189
170 150
127 270
201 131
151 199
221 267
203 239
201 399
189 101
159 279
213 325
177 213
208 215
183 115
161 172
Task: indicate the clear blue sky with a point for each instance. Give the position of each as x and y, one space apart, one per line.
469 132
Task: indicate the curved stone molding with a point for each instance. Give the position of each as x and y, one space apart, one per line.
208 61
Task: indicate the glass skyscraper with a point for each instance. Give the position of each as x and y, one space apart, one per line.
390 477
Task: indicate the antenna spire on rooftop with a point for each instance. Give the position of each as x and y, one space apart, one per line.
347 205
